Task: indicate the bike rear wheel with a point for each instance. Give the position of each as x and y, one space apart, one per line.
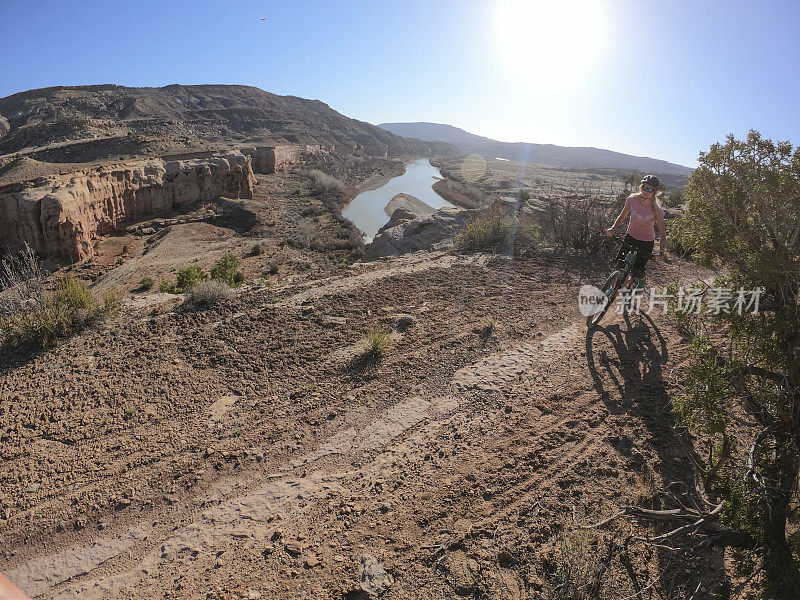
610 289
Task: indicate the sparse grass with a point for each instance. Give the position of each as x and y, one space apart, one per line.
31 317
111 303
644 488
375 344
73 294
575 569
209 293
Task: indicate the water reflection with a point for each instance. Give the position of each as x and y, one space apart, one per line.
366 210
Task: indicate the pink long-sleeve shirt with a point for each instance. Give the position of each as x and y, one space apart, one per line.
642 219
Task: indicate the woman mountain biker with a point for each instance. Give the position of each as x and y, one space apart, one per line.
645 212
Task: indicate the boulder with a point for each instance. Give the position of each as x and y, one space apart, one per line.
429 233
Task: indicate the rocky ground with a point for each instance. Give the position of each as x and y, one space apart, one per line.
253 450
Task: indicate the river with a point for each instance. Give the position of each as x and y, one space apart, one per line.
366 210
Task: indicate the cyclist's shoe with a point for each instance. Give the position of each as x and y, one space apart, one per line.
641 283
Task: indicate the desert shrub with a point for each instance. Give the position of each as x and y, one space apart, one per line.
257 250
165 287
209 293
30 316
743 217
111 302
324 182
188 277
313 210
498 231
574 569
272 269
523 195
146 284
73 293
577 222
375 344
492 233
673 199
227 270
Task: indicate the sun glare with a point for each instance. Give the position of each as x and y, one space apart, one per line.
549 45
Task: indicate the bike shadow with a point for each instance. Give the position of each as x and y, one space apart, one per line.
628 364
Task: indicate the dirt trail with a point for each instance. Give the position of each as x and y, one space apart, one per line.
250 516
454 450
373 272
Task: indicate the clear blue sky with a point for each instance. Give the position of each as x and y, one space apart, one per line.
657 78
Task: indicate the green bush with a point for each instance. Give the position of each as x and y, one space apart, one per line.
743 217
227 271
165 287
188 277
486 234
146 284
257 250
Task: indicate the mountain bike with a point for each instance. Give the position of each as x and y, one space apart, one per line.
620 280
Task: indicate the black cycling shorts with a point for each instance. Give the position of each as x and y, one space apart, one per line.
644 250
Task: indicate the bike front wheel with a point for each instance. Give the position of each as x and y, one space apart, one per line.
610 289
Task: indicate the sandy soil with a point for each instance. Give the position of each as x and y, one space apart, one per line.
252 450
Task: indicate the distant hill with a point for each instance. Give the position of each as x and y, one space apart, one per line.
88 123
543 154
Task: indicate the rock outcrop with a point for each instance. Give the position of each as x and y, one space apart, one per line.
61 215
270 159
435 231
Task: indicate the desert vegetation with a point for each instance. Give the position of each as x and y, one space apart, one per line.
34 316
209 293
741 389
501 230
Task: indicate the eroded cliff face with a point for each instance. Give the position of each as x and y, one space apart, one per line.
271 159
61 215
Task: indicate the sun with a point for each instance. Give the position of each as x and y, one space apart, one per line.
549 44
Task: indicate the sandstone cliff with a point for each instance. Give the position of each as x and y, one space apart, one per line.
269 159
61 215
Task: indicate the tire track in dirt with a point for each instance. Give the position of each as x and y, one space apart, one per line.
256 509
404 265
